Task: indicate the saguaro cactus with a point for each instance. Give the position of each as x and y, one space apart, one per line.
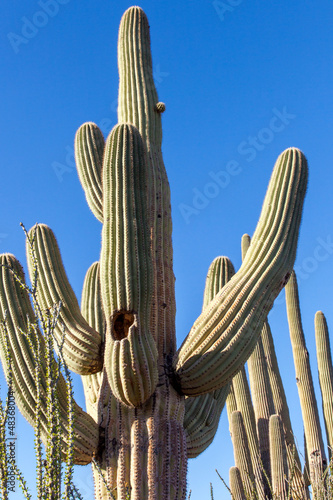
123 341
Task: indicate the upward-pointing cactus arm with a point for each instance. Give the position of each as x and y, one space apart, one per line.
126 269
312 429
225 334
89 150
82 345
14 301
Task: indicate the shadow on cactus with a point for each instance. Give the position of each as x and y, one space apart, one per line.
142 393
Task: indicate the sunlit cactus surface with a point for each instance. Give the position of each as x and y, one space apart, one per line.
149 405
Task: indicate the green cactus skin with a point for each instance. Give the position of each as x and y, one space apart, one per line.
137 105
139 408
202 413
89 150
314 441
15 300
278 458
82 346
226 332
126 271
241 452
236 485
325 370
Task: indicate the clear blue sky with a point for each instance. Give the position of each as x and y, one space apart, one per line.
224 70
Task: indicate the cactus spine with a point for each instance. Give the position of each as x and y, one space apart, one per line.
123 340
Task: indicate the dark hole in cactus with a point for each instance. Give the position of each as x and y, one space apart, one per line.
122 321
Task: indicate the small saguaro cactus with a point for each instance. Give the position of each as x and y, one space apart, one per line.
142 393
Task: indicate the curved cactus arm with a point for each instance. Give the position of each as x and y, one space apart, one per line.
202 413
225 334
312 429
138 104
82 344
202 416
125 267
15 306
278 459
89 150
325 370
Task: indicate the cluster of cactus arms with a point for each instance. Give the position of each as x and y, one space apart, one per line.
267 463
150 406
